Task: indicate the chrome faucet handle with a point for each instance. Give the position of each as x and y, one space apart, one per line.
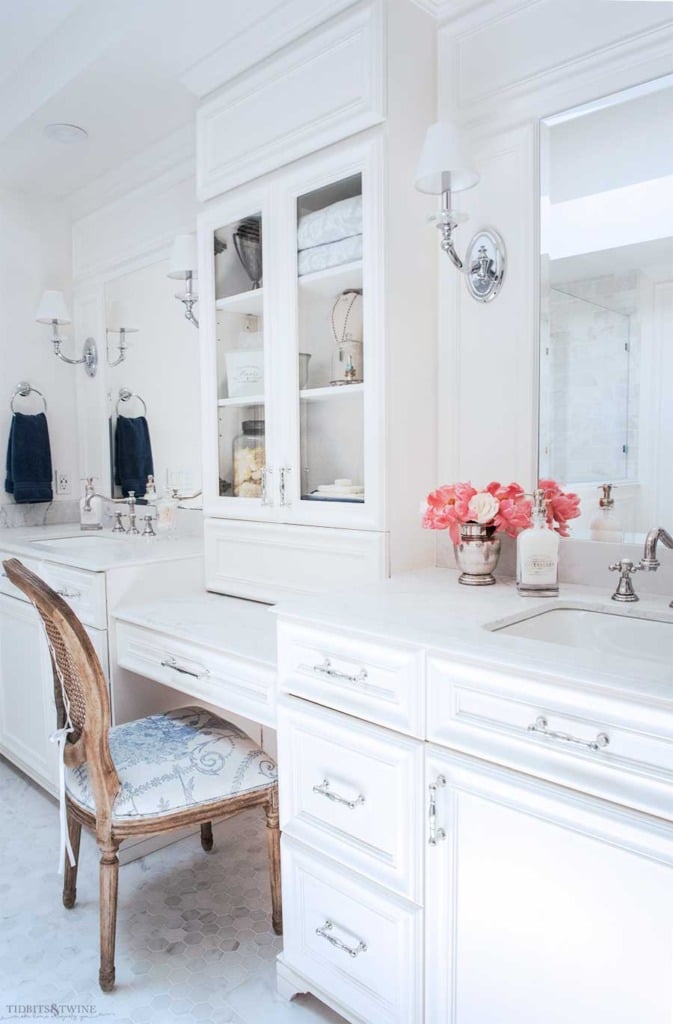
626 569
118 526
149 529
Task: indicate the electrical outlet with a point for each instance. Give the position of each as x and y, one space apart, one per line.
62 482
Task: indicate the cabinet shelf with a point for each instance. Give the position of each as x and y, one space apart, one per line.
328 283
330 392
242 401
250 302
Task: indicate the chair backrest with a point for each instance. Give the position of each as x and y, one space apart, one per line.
77 674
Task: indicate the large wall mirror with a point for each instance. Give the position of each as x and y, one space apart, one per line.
159 377
606 313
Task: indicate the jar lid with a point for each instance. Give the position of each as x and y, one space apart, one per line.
253 426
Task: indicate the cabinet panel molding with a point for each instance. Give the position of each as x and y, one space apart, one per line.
329 85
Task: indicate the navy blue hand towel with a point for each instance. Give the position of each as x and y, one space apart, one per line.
133 454
28 475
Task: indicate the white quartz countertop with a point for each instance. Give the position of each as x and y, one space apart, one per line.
430 608
230 625
97 551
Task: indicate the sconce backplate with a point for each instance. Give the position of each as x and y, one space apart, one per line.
90 357
485 265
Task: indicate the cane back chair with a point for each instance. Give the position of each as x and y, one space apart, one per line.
204 767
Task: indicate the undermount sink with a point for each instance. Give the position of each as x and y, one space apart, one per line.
606 632
63 543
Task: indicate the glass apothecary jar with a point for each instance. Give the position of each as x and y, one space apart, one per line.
249 459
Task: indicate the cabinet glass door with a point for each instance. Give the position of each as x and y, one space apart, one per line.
330 342
241 359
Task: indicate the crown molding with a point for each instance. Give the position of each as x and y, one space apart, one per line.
464 15
172 159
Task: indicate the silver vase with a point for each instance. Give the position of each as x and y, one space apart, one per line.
477 554
248 245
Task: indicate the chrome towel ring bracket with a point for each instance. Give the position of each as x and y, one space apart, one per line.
125 395
23 390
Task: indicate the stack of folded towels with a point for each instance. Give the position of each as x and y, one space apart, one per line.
329 237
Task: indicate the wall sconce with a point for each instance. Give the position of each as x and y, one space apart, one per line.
117 317
183 268
443 168
53 310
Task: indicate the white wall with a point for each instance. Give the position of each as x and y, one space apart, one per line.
35 255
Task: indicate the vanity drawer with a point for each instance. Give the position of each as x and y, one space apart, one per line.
351 940
83 591
601 743
221 679
354 791
381 682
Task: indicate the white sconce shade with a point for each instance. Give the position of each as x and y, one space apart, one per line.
183 257
52 309
119 319
444 165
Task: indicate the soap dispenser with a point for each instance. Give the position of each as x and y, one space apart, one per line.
150 496
90 508
605 526
537 554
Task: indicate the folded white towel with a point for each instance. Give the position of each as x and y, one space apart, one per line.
320 257
340 220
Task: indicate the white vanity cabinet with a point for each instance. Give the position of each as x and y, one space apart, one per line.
526 873
542 903
27 710
315 285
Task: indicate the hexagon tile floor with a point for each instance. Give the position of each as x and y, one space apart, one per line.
194 939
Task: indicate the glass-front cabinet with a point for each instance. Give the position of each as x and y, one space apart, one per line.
289 278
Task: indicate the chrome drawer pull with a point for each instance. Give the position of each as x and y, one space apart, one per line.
436 835
170 662
334 673
67 592
541 726
324 790
351 950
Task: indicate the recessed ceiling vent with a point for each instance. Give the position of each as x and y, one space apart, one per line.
66 133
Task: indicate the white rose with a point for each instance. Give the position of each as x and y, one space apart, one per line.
483 507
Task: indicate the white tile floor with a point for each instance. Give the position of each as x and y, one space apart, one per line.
194 939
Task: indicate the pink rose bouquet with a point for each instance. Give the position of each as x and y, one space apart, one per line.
507 508
504 507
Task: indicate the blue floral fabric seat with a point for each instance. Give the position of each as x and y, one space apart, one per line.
176 760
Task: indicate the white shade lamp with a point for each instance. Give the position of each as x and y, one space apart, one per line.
53 310
118 322
445 167
183 265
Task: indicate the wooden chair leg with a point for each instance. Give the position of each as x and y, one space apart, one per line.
109 877
273 848
70 874
207 836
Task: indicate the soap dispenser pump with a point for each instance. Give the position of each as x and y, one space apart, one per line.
537 554
605 526
90 508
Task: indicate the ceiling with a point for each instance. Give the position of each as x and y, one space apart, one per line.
115 69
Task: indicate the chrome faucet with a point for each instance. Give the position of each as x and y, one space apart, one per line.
649 561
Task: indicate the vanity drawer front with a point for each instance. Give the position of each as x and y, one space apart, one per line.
381 682
223 680
83 591
327 908
8 588
354 791
601 743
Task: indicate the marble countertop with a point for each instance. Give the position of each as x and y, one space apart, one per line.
230 625
430 608
97 551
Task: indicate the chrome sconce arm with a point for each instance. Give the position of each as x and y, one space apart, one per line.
53 310
89 357
189 299
123 347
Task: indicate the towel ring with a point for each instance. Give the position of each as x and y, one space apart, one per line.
125 395
23 389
